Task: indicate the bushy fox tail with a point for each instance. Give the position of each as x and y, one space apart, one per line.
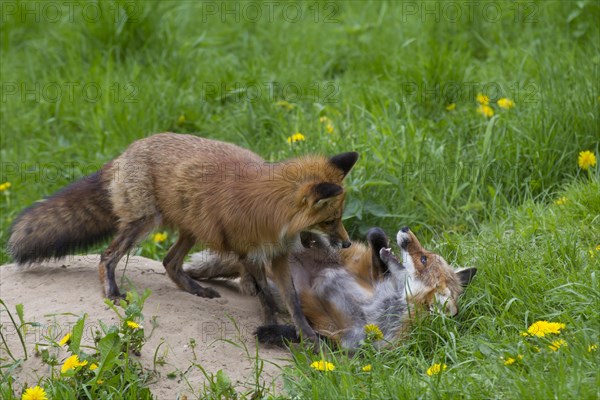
74 218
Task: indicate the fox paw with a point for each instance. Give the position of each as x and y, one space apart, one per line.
377 239
387 256
206 292
116 298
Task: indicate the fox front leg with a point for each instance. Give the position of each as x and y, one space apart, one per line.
255 274
390 260
283 279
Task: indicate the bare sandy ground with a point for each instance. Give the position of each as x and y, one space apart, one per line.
52 290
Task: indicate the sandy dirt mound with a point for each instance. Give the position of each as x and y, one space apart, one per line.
51 290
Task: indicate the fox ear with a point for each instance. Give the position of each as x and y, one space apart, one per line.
324 191
465 275
344 161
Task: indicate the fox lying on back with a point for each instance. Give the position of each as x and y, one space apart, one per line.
338 305
344 290
212 192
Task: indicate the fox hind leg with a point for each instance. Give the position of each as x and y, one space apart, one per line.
208 265
127 236
377 241
173 263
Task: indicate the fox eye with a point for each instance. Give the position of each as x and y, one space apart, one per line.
330 222
424 260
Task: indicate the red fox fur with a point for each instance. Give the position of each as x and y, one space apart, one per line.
215 193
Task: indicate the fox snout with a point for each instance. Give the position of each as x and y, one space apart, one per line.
344 238
340 238
443 303
337 242
403 237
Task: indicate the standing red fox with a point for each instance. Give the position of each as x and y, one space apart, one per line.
212 192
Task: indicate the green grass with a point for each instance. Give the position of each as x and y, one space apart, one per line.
539 264
479 191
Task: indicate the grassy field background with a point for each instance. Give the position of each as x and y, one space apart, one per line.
397 82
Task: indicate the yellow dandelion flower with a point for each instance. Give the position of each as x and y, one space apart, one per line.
505 103
322 365
66 339
373 332
367 368
451 107
4 187
436 369
598 247
511 360
93 367
485 110
328 124
72 363
159 237
543 328
586 159
296 137
561 201
99 382
592 347
483 99
181 119
285 104
133 325
34 393
557 344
